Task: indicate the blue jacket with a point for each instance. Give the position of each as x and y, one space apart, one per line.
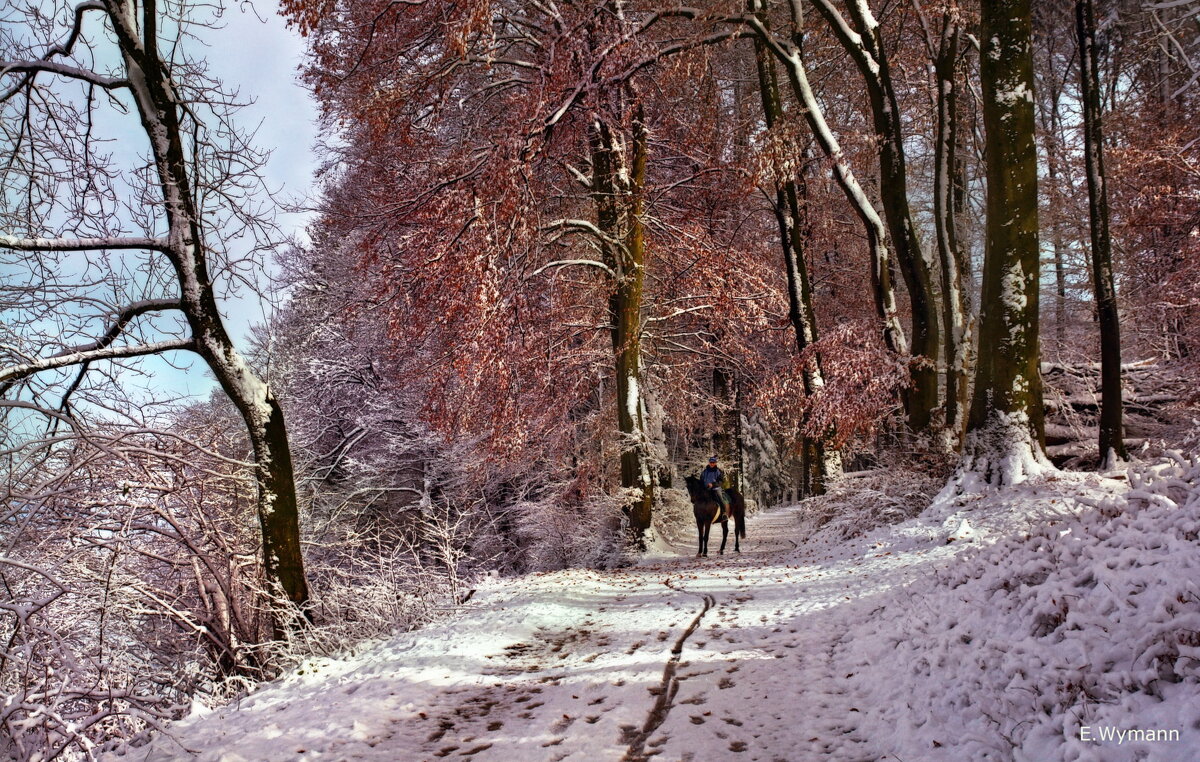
712 476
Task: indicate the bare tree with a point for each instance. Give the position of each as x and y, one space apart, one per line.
123 262
945 54
862 37
1112 444
822 460
128 574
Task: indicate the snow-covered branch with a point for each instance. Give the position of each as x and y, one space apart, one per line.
17 372
573 262
857 45
583 226
678 312
114 243
124 317
62 70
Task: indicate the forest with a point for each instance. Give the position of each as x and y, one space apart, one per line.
899 266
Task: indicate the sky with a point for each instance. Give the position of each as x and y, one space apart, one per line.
259 56
255 54
250 50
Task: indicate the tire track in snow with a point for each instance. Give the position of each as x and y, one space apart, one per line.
669 686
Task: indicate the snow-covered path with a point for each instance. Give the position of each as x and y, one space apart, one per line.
799 648
679 657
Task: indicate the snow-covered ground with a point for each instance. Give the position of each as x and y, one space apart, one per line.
896 645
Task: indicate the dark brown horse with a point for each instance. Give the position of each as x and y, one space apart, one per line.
707 509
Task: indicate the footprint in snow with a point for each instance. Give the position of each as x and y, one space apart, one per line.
475 750
443 727
562 724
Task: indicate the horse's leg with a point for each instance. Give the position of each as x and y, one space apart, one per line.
706 530
699 537
724 536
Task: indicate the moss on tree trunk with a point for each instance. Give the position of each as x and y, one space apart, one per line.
1005 439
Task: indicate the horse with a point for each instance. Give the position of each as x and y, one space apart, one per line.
706 508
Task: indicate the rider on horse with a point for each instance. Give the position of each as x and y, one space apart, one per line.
714 479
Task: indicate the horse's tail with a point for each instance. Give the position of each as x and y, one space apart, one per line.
739 517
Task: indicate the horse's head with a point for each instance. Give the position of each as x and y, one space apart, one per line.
694 486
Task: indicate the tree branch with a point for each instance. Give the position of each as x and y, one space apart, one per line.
602 56
124 317
62 49
569 262
583 226
678 312
24 370
64 70
76 27
83 244
858 43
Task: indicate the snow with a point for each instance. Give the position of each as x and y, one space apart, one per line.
1018 92
1056 619
1012 289
1001 453
964 533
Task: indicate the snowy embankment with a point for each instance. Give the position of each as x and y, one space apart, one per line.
895 645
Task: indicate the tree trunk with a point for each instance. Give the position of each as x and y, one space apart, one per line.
1053 138
881 278
1005 438
956 339
726 440
739 439
1112 444
864 43
625 250
824 461
1060 285
159 109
